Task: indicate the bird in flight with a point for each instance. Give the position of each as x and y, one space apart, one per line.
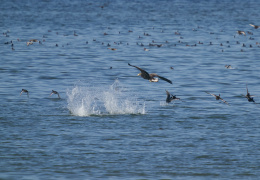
150 77
218 97
249 96
55 92
25 91
170 97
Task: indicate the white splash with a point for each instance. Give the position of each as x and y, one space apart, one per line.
103 100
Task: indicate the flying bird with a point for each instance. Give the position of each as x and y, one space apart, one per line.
150 77
249 96
255 26
218 97
25 91
55 92
228 67
170 97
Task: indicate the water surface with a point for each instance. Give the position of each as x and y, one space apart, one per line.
112 124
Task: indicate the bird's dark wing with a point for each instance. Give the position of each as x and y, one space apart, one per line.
168 94
144 74
163 78
168 98
246 89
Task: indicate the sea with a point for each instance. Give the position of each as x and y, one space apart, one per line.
110 123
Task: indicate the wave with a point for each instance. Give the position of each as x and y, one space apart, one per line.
87 100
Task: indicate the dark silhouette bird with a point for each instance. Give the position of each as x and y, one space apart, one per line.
249 96
150 77
170 97
218 97
255 26
55 92
25 91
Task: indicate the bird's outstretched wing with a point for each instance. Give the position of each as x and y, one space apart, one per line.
168 94
144 74
246 89
163 78
223 101
24 90
210 94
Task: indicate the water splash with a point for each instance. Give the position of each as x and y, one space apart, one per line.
103 100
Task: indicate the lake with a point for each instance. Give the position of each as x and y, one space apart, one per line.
110 123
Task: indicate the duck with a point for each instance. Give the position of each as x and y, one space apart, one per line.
170 97
241 32
113 49
217 97
25 91
228 67
55 92
255 26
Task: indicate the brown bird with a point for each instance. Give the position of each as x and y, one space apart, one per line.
170 97
33 40
55 92
150 77
241 32
113 49
255 26
218 97
24 90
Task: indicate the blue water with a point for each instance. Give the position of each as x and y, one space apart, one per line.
112 124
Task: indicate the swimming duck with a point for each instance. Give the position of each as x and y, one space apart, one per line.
255 26
241 32
29 43
113 49
33 40
249 96
228 66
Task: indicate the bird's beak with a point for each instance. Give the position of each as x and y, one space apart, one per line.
139 74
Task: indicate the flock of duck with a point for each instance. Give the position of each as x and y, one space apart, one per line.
151 77
144 74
